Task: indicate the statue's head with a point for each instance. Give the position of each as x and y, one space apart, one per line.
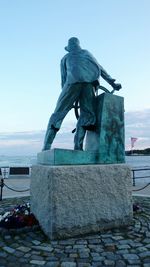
73 44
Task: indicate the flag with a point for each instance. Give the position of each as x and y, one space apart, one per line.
133 140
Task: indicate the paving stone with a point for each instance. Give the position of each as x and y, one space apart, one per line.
36 262
67 242
98 258
43 248
52 258
134 262
3 254
136 244
114 257
109 263
36 257
36 242
123 246
82 242
141 249
120 263
144 254
73 255
35 252
52 264
97 264
19 254
23 260
122 251
7 237
147 234
86 264
68 264
146 241
79 246
130 257
146 260
27 255
95 254
94 241
115 237
9 249
24 249
71 250
3 261
95 248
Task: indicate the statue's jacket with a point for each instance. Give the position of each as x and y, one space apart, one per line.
78 67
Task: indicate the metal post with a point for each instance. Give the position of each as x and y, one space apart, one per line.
1 189
5 174
133 178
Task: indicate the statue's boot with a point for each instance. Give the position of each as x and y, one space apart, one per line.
79 137
50 135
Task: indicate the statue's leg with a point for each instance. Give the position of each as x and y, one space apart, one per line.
49 137
87 105
79 138
87 117
65 102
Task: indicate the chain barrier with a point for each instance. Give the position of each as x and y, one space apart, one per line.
5 172
135 190
15 190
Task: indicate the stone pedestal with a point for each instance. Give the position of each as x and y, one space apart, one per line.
76 200
108 140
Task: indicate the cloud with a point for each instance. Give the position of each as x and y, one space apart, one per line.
137 124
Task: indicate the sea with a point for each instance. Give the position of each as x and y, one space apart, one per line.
12 161
135 162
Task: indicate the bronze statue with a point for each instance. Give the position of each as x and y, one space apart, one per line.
80 72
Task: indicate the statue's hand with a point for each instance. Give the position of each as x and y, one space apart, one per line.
117 86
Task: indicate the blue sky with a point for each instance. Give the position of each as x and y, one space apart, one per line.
33 34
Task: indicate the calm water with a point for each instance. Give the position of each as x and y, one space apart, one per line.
138 161
13 161
133 161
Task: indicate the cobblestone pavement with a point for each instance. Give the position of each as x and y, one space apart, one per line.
120 247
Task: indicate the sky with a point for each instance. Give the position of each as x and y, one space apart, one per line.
33 34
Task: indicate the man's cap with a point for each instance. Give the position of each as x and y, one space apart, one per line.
73 44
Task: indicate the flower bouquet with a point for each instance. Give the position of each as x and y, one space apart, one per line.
18 217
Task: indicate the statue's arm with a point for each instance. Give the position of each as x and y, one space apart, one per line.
110 80
107 77
63 72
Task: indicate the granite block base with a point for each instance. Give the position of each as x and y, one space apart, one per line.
74 200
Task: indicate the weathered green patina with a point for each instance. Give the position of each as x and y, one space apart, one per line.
105 145
80 72
108 139
58 156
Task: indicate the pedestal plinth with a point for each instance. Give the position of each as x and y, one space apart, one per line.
76 200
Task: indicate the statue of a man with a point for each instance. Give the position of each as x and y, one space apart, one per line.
79 74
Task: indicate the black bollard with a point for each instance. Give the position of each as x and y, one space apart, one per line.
1 190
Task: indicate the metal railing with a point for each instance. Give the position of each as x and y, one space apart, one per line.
135 170
5 172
